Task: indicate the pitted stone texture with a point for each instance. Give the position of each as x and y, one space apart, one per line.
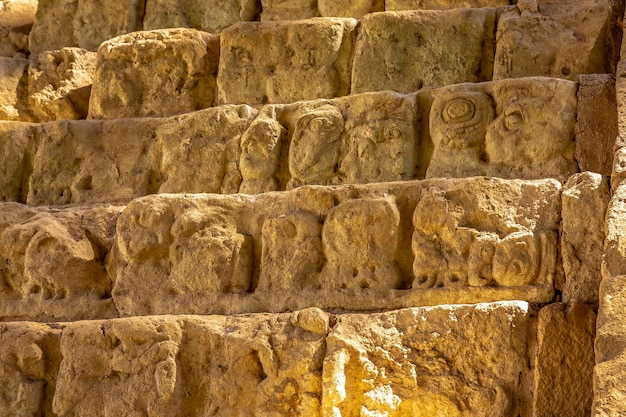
16 20
13 89
305 9
83 23
29 354
596 123
283 62
614 256
92 161
398 5
405 51
564 361
344 248
193 366
15 141
511 128
206 15
609 382
447 360
585 200
154 73
360 138
59 84
559 39
52 262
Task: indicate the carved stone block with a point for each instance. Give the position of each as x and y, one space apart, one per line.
14 89
305 9
155 73
59 84
283 62
52 262
549 40
405 51
510 129
396 5
29 354
83 23
428 361
207 15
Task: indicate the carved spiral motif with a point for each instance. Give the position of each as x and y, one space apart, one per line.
459 110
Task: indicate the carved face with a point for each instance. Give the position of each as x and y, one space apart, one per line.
315 145
260 149
459 120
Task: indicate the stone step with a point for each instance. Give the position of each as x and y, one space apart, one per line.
286 61
346 248
520 128
498 359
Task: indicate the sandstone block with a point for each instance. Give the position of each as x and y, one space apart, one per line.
356 9
609 380
355 139
154 73
283 62
448 360
585 200
620 92
206 15
29 353
52 262
397 5
16 20
83 23
305 9
264 365
510 128
59 84
596 123
549 40
15 140
564 361
13 89
614 256
405 51
348 247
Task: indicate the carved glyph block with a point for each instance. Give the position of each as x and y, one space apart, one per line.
394 5
283 62
510 128
52 262
549 40
405 51
428 361
154 73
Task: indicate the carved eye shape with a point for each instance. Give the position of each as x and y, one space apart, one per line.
513 119
393 132
459 110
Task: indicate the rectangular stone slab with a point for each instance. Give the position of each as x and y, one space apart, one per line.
52 262
406 51
348 248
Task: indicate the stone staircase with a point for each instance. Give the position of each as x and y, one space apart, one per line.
312 208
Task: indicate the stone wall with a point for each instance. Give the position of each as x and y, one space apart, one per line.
312 208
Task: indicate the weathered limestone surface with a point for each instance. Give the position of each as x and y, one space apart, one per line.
52 262
614 256
283 62
305 9
585 201
59 84
338 248
445 360
206 15
195 366
155 73
83 23
555 39
13 89
610 348
30 357
564 361
395 5
510 128
16 20
15 138
405 51
596 123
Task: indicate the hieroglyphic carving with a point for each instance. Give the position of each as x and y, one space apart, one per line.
453 250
